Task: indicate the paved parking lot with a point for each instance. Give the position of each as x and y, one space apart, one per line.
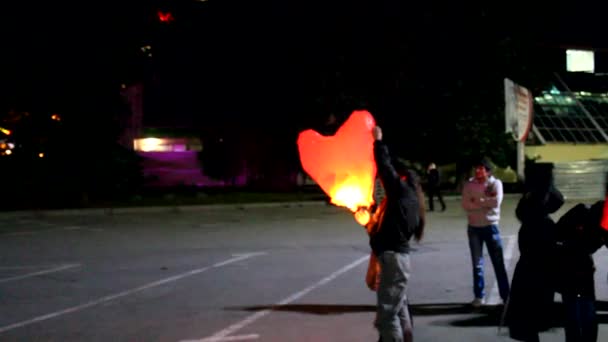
260 274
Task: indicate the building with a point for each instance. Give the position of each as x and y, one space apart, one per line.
570 125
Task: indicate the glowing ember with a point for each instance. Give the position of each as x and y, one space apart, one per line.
343 165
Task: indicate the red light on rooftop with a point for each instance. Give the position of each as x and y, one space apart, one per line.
165 17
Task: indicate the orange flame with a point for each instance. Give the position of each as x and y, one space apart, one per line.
362 216
343 165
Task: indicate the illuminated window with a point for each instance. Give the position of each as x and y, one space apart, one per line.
151 145
580 60
166 145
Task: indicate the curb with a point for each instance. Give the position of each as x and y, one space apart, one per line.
174 208
154 209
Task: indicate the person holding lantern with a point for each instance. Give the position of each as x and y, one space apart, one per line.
400 217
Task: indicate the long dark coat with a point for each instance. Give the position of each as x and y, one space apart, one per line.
530 303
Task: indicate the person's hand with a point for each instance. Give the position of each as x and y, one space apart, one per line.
377 133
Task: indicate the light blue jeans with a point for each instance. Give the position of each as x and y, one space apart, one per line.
491 236
393 319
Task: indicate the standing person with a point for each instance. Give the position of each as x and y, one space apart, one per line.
481 199
402 218
433 187
530 307
579 235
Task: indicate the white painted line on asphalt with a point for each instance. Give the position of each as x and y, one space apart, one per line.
34 274
30 232
125 293
231 338
225 333
25 267
494 297
69 228
83 228
36 222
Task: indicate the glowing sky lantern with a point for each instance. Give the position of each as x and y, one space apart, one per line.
343 165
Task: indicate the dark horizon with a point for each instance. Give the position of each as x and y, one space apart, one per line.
270 59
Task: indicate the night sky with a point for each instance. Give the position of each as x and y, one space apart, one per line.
268 63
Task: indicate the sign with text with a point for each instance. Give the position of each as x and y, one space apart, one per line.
518 110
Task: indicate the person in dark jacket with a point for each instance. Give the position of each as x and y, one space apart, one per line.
403 218
434 187
579 235
529 308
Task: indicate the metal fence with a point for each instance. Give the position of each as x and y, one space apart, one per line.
581 179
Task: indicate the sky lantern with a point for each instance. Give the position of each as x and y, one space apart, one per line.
343 164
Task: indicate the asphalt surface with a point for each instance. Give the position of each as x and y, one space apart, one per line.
273 273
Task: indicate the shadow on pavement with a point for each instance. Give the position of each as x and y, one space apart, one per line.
314 309
416 309
490 316
486 316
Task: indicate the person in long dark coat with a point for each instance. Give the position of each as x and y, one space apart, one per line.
579 235
529 307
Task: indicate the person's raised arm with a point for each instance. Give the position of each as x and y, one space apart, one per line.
386 171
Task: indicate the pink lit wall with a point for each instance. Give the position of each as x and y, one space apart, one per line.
166 169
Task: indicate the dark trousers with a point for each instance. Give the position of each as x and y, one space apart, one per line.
581 322
432 192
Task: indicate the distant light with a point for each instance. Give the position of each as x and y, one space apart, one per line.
554 91
41 155
5 131
8 152
149 144
147 49
580 60
165 17
56 117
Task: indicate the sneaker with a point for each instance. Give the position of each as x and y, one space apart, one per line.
477 303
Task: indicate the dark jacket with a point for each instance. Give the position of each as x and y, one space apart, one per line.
433 179
579 235
402 206
533 280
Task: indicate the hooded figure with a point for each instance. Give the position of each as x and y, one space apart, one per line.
579 235
529 309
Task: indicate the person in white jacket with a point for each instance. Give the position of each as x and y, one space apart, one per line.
481 199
